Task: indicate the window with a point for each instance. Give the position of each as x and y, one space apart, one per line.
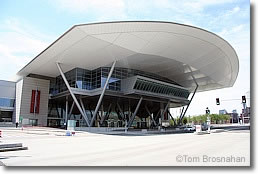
6 116
33 122
136 85
6 102
79 84
92 79
145 85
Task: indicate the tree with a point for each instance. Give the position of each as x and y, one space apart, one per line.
215 118
184 120
172 123
194 119
225 118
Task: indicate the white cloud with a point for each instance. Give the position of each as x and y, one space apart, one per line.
185 6
100 9
232 32
85 5
235 10
199 5
18 45
132 9
238 28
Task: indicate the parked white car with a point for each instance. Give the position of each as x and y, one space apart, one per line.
189 128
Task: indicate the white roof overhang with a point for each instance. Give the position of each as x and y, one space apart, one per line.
165 48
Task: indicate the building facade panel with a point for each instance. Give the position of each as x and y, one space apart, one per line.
25 89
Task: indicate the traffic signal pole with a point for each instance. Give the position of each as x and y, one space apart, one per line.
243 99
243 116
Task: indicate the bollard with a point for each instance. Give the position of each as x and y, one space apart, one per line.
68 133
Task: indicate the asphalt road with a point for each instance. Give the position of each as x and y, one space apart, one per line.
48 147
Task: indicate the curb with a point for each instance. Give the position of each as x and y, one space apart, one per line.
12 147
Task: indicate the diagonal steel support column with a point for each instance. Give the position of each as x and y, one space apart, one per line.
147 109
70 112
102 94
155 118
72 94
150 115
107 113
172 117
191 97
122 113
83 108
180 117
135 112
188 104
164 111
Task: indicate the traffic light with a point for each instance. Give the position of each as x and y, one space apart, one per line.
243 99
207 111
217 101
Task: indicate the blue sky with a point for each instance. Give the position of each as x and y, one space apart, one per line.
28 26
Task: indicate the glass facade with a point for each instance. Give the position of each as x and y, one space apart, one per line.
89 80
6 102
158 88
6 116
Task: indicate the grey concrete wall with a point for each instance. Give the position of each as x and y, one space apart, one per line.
24 92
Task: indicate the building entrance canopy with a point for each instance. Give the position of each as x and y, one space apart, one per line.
170 50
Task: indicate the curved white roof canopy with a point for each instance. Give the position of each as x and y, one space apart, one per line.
167 49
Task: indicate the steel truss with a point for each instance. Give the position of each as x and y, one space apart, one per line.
72 94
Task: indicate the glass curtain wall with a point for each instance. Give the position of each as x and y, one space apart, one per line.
7 102
89 80
148 86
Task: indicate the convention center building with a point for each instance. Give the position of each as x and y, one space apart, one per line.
118 74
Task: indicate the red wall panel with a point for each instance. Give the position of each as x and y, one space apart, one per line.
32 102
35 101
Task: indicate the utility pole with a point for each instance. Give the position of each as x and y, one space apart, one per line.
208 119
